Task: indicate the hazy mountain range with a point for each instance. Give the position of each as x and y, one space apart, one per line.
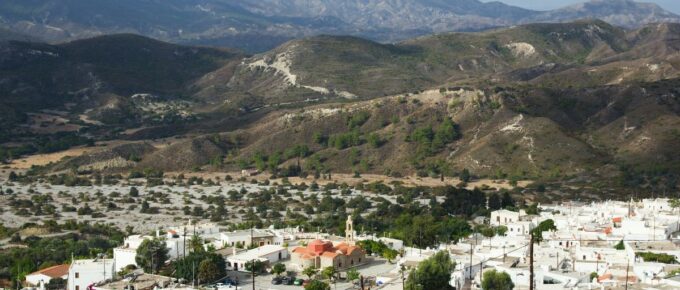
259 25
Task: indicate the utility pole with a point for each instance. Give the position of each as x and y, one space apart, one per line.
184 233
252 269
481 269
420 239
531 262
403 280
471 250
627 268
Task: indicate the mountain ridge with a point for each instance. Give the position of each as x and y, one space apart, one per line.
258 26
584 102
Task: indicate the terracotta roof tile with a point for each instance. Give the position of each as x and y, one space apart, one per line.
54 271
330 254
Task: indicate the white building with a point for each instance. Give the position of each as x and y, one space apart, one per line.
269 254
125 254
519 228
394 244
85 273
44 276
504 217
244 238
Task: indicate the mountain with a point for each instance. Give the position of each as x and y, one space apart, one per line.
585 103
100 76
623 13
258 26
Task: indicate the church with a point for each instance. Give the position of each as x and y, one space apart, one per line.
322 254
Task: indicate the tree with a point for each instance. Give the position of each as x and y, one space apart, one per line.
620 246
194 265
433 273
310 272
56 283
374 140
134 192
256 266
353 274
278 269
208 271
465 175
546 225
145 207
494 201
674 203
13 176
151 255
507 200
329 273
317 285
495 280
389 254
196 245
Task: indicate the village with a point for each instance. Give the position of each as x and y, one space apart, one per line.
576 245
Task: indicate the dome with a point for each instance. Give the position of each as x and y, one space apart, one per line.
319 246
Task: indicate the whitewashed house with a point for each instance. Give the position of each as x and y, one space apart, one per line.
87 273
244 238
504 217
269 254
44 276
125 254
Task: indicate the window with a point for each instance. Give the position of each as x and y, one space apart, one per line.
77 275
77 287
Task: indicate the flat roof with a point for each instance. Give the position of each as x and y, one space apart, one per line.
141 282
257 253
91 262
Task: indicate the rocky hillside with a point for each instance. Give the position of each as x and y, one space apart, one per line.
584 53
100 76
259 25
584 102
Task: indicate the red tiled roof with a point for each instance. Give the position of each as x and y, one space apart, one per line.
54 271
352 249
330 254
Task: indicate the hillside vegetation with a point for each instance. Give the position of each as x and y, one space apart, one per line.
582 102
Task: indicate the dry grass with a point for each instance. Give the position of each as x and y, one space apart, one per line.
45 159
43 123
365 178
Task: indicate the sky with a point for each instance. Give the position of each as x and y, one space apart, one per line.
670 5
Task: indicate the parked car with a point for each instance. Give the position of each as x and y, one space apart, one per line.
287 280
298 282
277 280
